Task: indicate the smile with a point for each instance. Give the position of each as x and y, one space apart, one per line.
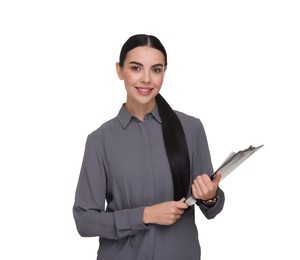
144 91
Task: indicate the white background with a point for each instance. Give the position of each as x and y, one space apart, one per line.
233 64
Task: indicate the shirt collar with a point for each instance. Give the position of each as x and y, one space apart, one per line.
155 114
124 116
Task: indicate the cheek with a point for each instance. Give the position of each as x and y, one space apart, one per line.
130 77
158 81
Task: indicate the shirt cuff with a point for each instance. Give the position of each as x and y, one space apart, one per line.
130 220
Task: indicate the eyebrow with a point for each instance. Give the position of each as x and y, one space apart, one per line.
140 64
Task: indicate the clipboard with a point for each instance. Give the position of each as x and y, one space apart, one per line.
230 164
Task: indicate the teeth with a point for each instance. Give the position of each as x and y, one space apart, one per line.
144 89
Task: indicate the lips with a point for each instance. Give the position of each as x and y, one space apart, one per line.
144 91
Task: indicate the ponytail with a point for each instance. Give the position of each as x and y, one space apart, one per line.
176 148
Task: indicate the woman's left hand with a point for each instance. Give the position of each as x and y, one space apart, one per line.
204 188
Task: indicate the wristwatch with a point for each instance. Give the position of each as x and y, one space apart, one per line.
210 202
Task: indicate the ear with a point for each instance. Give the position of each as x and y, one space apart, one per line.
119 71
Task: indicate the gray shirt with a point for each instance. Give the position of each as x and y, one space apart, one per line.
124 169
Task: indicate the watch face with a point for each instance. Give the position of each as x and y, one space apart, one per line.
210 202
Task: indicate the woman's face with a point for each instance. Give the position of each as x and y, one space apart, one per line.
143 74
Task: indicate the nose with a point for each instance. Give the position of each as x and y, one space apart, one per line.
145 77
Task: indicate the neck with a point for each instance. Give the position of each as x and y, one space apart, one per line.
139 110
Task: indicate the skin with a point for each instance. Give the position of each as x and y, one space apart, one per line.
143 74
204 188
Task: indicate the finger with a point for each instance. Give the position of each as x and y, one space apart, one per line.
197 192
181 204
201 184
196 195
179 212
205 178
217 178
182 200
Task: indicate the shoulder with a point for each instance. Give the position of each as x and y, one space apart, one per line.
104 129
192 126
188 120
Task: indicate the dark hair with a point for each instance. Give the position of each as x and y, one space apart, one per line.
141 40
173 134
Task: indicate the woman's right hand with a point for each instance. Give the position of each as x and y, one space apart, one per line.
165 213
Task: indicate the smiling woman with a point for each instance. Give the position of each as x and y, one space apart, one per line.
142 164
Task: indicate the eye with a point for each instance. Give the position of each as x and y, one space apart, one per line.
136 68
157 69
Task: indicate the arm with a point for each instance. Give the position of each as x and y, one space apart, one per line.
203 188
89 207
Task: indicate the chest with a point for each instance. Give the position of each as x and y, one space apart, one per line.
136 162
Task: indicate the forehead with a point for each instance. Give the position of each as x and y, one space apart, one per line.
145 55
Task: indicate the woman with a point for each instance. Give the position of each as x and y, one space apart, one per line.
139 167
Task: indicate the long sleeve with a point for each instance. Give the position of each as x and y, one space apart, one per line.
211 212
89 207
202 164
